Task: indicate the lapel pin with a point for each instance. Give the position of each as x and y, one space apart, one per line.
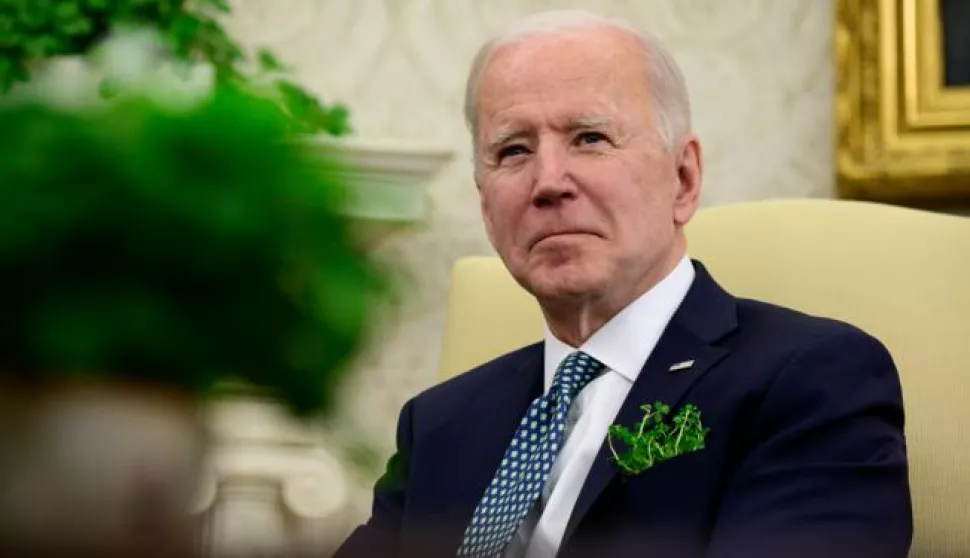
681 366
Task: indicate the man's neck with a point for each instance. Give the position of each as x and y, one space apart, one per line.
575 320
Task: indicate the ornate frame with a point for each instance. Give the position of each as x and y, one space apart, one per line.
903 136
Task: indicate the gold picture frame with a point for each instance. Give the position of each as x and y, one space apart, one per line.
903 133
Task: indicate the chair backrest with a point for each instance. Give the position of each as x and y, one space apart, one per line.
901 274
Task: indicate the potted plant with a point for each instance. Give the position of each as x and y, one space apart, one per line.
149 253
33 33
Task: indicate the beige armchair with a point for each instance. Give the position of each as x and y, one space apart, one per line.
903 275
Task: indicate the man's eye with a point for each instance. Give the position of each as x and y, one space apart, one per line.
511 151
589 138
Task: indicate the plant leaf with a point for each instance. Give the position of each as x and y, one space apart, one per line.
268 61
661 441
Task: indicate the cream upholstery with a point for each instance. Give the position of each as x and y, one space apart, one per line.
901 274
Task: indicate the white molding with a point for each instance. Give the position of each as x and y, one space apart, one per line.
389 178
270 481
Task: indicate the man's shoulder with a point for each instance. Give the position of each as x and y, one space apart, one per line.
489 372
787 329
456 392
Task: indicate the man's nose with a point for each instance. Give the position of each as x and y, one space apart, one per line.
552 182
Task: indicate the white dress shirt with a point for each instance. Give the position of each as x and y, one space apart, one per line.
623 345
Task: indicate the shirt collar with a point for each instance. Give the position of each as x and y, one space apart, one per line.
625 342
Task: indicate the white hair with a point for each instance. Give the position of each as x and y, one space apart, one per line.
671 105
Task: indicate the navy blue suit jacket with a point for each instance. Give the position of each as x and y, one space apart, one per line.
805 457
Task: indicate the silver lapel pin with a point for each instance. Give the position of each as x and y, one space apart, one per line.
682 366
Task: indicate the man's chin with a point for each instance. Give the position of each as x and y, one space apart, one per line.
563 283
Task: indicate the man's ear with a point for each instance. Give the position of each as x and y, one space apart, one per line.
690 169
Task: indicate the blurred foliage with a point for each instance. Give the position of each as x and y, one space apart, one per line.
34 30
182 247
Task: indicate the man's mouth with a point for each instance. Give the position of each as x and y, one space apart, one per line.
562 234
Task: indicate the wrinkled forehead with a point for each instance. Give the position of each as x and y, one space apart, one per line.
581 73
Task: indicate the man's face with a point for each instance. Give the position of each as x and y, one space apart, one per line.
581 198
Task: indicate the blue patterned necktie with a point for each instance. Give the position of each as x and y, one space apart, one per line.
522 473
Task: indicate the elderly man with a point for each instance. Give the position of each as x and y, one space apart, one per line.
588 172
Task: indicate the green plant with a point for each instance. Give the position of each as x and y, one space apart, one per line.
656 440
34 30
181 247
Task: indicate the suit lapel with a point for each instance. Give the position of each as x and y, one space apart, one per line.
706 315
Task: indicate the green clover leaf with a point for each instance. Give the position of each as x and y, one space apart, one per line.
656 439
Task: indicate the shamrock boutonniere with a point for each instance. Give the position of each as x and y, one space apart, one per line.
654 440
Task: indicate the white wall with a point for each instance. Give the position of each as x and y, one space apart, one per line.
760 73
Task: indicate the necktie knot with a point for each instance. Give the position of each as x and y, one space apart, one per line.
574 373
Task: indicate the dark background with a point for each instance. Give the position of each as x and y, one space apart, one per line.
956 42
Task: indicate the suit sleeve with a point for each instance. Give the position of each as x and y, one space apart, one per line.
380 535
825 473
